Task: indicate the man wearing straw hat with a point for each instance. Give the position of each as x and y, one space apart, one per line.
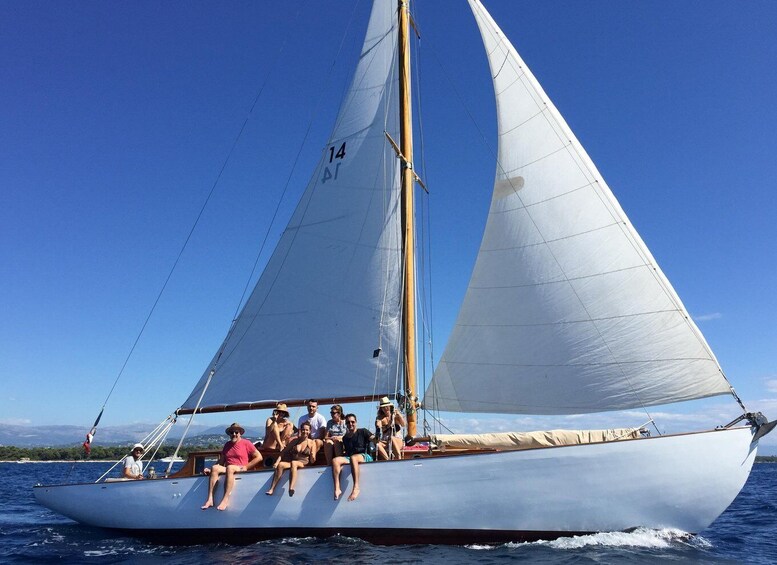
234 459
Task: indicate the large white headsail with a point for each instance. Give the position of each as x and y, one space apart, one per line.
329 296
566 311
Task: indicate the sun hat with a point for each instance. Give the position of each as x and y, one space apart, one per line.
385 401
138 446
236 427
281 407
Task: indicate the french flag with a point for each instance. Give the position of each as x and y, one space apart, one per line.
90 436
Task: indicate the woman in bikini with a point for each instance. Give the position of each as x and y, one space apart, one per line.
387 423
299 452
277 429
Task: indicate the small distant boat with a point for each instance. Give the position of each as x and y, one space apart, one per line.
172 459
567 312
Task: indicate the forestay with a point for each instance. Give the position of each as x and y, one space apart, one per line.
566 311
329 295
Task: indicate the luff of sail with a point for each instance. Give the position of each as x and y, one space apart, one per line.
329 295
566 310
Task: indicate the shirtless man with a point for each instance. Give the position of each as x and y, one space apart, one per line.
234 459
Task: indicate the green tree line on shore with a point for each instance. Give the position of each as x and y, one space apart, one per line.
109 453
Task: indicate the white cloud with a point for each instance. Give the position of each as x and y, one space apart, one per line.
708 317
771 385
15 421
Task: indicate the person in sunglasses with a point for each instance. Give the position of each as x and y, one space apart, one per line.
388 424
335 430
277 429
356 445
237 456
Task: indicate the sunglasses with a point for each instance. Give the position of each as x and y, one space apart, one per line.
350 422
234 433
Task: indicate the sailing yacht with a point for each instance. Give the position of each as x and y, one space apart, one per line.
566 312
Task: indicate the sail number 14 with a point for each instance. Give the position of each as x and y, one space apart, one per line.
331 173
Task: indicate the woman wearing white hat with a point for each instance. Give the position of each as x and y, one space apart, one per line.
387 423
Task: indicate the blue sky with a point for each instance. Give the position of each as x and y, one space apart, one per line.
115 120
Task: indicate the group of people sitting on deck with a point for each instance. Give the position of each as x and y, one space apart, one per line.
343 443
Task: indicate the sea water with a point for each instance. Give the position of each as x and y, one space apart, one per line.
29 533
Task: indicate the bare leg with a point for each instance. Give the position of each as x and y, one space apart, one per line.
295 465
215 471
282 466
329 451
355 461
397 445
337 465
229 485
381 449
274 433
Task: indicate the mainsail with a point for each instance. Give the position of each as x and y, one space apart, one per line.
566 311
323 319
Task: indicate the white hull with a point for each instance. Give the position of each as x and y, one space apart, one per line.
682 482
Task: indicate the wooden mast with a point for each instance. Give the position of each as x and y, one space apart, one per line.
406 148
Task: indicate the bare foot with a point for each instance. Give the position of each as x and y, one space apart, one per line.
338 492
207 505
269 492
222 506
354 494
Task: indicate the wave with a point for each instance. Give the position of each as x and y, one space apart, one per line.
639 537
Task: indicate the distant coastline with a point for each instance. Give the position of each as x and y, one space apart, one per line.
20 462
99 453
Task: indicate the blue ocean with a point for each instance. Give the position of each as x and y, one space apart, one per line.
746 532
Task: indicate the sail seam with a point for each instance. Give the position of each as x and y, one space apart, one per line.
523 123
545 200
603 364
569 322
553 409
545 242
509 86
510 172
566 279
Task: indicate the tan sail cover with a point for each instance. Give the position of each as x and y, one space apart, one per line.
532 440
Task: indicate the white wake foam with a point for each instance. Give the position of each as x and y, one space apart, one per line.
641 537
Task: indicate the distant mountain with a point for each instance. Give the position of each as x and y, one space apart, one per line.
57 436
